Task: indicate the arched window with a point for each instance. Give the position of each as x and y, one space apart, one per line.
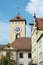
17 35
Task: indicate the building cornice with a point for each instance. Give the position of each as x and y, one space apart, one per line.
40 37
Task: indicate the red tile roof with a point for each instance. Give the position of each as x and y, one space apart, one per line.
17 18
39 23
22 43
1 47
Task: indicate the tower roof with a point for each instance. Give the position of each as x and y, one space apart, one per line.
39 23
18 18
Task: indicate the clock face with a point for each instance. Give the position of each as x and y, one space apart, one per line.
17 29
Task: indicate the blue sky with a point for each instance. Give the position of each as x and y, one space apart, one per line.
8 10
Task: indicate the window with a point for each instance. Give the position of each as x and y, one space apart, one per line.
18 17
19 22
8 54
21 64
21 55
29 55
8 46
22 22
17 35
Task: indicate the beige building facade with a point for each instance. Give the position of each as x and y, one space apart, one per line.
37 30
17 28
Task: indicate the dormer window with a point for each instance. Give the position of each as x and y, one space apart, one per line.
18 17
8 46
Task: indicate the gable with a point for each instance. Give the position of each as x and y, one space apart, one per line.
8 47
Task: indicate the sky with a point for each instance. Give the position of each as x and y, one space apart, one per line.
9 9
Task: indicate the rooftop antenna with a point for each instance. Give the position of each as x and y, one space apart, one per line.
35 20
18 10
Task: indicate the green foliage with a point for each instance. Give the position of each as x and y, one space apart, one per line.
0 63
6 60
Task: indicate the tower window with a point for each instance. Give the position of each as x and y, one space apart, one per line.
18 17
21 55
22 22
19 22
15 22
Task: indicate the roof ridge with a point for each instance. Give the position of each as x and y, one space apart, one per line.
17 17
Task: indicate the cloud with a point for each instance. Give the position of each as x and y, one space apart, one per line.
4 33
28 31
35 6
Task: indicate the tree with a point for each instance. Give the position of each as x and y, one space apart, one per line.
6 60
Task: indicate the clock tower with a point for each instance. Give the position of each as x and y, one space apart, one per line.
17 28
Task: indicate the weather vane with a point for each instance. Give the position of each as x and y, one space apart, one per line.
18 10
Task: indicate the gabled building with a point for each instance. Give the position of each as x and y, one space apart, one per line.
37 30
